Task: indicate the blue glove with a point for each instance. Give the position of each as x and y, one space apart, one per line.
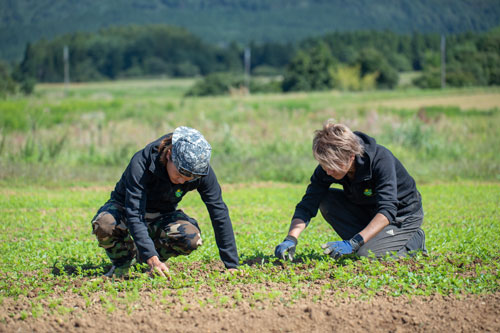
286 250
337 250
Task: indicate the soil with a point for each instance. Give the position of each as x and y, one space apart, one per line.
318 309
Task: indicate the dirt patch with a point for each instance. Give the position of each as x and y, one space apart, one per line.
264 307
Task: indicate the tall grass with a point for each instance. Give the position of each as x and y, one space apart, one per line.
258 137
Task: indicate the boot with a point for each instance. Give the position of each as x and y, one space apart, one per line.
120 271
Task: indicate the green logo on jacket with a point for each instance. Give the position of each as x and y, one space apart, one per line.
178 193
368 192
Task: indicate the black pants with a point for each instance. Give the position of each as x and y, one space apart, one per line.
347 219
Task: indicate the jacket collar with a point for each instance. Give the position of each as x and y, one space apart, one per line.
363 169
363 163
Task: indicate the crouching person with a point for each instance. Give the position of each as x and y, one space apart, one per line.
141 222
378 211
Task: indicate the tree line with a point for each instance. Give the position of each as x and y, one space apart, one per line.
224 20
340 60
372 59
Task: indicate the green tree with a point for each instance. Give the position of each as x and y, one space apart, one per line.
471 60
310 70
7 84
372 61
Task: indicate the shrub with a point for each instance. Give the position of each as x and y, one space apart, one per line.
7 84
215 84
430 79
349 78
28 86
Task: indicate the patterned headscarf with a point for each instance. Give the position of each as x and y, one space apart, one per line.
190 151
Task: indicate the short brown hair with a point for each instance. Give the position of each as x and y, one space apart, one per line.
334 145
164 148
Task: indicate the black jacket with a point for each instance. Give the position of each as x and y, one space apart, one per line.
381 184
146 187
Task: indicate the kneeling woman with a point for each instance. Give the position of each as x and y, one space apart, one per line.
141 220
379 210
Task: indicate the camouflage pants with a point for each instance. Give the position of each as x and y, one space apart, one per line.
173 233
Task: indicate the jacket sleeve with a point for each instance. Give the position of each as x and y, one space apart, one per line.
211 194
386 185
135 205
307 208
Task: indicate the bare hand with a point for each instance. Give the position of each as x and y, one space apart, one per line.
157 267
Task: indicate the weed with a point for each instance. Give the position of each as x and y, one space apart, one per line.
237 295
23 315
37 310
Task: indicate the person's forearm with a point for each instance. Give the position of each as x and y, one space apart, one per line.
296 228
142 240
376 225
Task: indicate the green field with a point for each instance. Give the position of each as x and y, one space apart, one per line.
88 132
61 151
47 250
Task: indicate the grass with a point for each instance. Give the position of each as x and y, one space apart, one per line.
46 249
88 132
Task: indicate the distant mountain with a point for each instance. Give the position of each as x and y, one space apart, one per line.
223 21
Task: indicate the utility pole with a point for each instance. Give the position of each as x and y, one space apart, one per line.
66 66
247 56
443 62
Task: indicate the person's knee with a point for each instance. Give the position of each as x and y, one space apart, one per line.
108 231
103 226
373 251
364 251
183 236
